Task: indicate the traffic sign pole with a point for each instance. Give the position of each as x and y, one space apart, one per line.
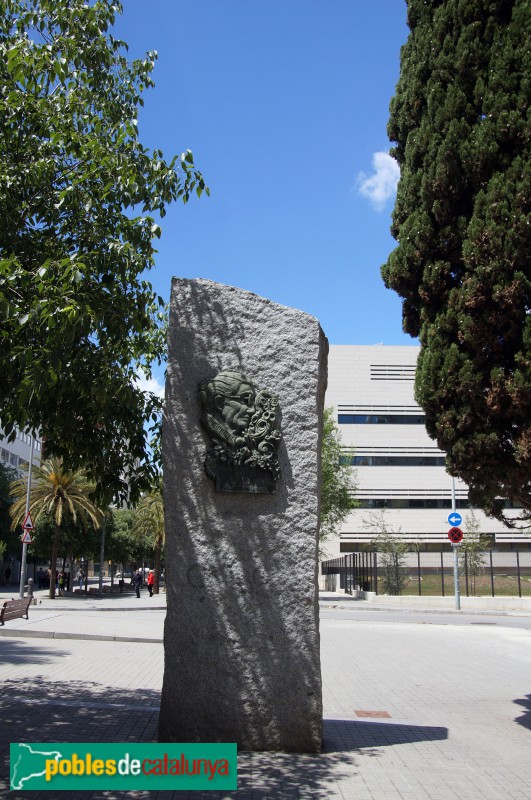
25 546
457 590
455 547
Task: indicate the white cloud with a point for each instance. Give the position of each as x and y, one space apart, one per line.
380 186
149 384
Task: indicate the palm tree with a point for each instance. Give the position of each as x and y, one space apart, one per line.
60 494
149 524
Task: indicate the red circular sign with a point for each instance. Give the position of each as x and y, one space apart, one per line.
455 535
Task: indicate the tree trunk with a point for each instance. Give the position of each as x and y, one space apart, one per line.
55 550
158 550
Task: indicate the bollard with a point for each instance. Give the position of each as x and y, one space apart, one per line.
30 592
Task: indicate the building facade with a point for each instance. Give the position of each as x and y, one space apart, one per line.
400 472
17 453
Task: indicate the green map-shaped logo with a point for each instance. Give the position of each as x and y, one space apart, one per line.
29 764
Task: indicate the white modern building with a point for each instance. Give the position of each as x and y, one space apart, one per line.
400 471
17 453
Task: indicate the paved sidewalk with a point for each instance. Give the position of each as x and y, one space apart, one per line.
499 605
78 616
456 701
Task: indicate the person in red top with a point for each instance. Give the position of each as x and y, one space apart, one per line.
151 582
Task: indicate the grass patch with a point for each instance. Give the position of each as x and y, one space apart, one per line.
431 585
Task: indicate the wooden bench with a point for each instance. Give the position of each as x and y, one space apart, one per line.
15 608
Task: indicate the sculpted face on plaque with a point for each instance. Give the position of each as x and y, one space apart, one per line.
241 422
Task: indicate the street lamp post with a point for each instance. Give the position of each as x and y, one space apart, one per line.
24 545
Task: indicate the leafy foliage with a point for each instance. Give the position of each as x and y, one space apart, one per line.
78 195
76 539
337 480
473 548
392 550
149 527
121 545
80 540
460 120
61 495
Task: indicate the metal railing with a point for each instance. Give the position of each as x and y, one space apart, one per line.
357 571
488 573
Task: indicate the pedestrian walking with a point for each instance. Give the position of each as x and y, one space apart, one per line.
138 580
61 583
151 582
8 575
80 577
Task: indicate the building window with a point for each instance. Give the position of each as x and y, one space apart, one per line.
402 502
393 461
381 419
392 372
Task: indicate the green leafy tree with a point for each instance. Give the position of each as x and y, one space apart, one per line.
473 548
149 526
392 552
460 120
79 200
62 495
121 546
337 480
76 540
83 540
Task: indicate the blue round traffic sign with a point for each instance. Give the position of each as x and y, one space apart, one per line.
454 519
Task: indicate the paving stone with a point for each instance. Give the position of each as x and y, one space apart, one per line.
448 741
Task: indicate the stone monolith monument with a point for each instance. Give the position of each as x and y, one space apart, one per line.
241 450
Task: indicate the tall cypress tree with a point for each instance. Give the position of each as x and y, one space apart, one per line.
460 120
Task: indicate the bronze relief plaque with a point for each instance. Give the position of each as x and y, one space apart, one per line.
241 421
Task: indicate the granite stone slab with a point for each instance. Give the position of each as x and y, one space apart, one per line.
242 631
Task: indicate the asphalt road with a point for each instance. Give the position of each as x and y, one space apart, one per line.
354 613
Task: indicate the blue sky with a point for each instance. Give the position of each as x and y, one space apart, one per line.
284 104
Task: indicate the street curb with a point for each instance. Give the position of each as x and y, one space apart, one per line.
98 608
28 634
414 610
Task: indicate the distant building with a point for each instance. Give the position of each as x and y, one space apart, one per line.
400 470
17 453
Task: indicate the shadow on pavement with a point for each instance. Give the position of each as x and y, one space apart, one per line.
354 735
42 710
525 719
16 651
78 711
